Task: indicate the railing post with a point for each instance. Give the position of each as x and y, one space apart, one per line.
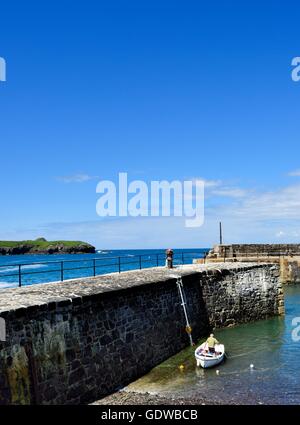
119 264
140 262
182 257
62 271
20 276
94 266
157 263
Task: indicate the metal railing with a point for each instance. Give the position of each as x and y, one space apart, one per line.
69 269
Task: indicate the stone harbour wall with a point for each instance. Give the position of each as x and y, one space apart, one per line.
286 255
236 250
75 342
249 294
290 269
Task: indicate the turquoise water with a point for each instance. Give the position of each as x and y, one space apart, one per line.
47 268
267 344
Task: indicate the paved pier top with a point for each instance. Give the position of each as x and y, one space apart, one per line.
74 290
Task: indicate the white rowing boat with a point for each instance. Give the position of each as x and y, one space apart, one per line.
206 359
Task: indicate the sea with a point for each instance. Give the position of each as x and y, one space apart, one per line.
32 269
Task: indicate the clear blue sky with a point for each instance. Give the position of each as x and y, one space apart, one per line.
162 90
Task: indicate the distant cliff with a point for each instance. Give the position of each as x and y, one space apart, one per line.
42 246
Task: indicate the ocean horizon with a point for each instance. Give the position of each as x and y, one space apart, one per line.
45 268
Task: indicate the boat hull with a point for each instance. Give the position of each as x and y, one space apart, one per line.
207 360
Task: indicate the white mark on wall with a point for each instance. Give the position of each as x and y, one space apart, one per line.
2 329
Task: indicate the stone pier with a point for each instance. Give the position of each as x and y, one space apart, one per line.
75 342
286 255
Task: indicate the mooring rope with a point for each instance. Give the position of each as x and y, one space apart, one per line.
188 327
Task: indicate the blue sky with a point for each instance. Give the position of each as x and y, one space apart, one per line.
160 90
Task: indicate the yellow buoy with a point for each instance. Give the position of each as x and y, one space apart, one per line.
181 367
188 329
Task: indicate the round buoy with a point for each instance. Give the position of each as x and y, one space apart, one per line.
251 366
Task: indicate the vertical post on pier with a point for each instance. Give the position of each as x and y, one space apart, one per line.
140 259
119 264
169 258
221 236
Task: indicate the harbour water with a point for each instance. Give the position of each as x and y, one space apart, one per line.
267 345
47 268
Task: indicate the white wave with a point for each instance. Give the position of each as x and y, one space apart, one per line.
11 269
4 285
